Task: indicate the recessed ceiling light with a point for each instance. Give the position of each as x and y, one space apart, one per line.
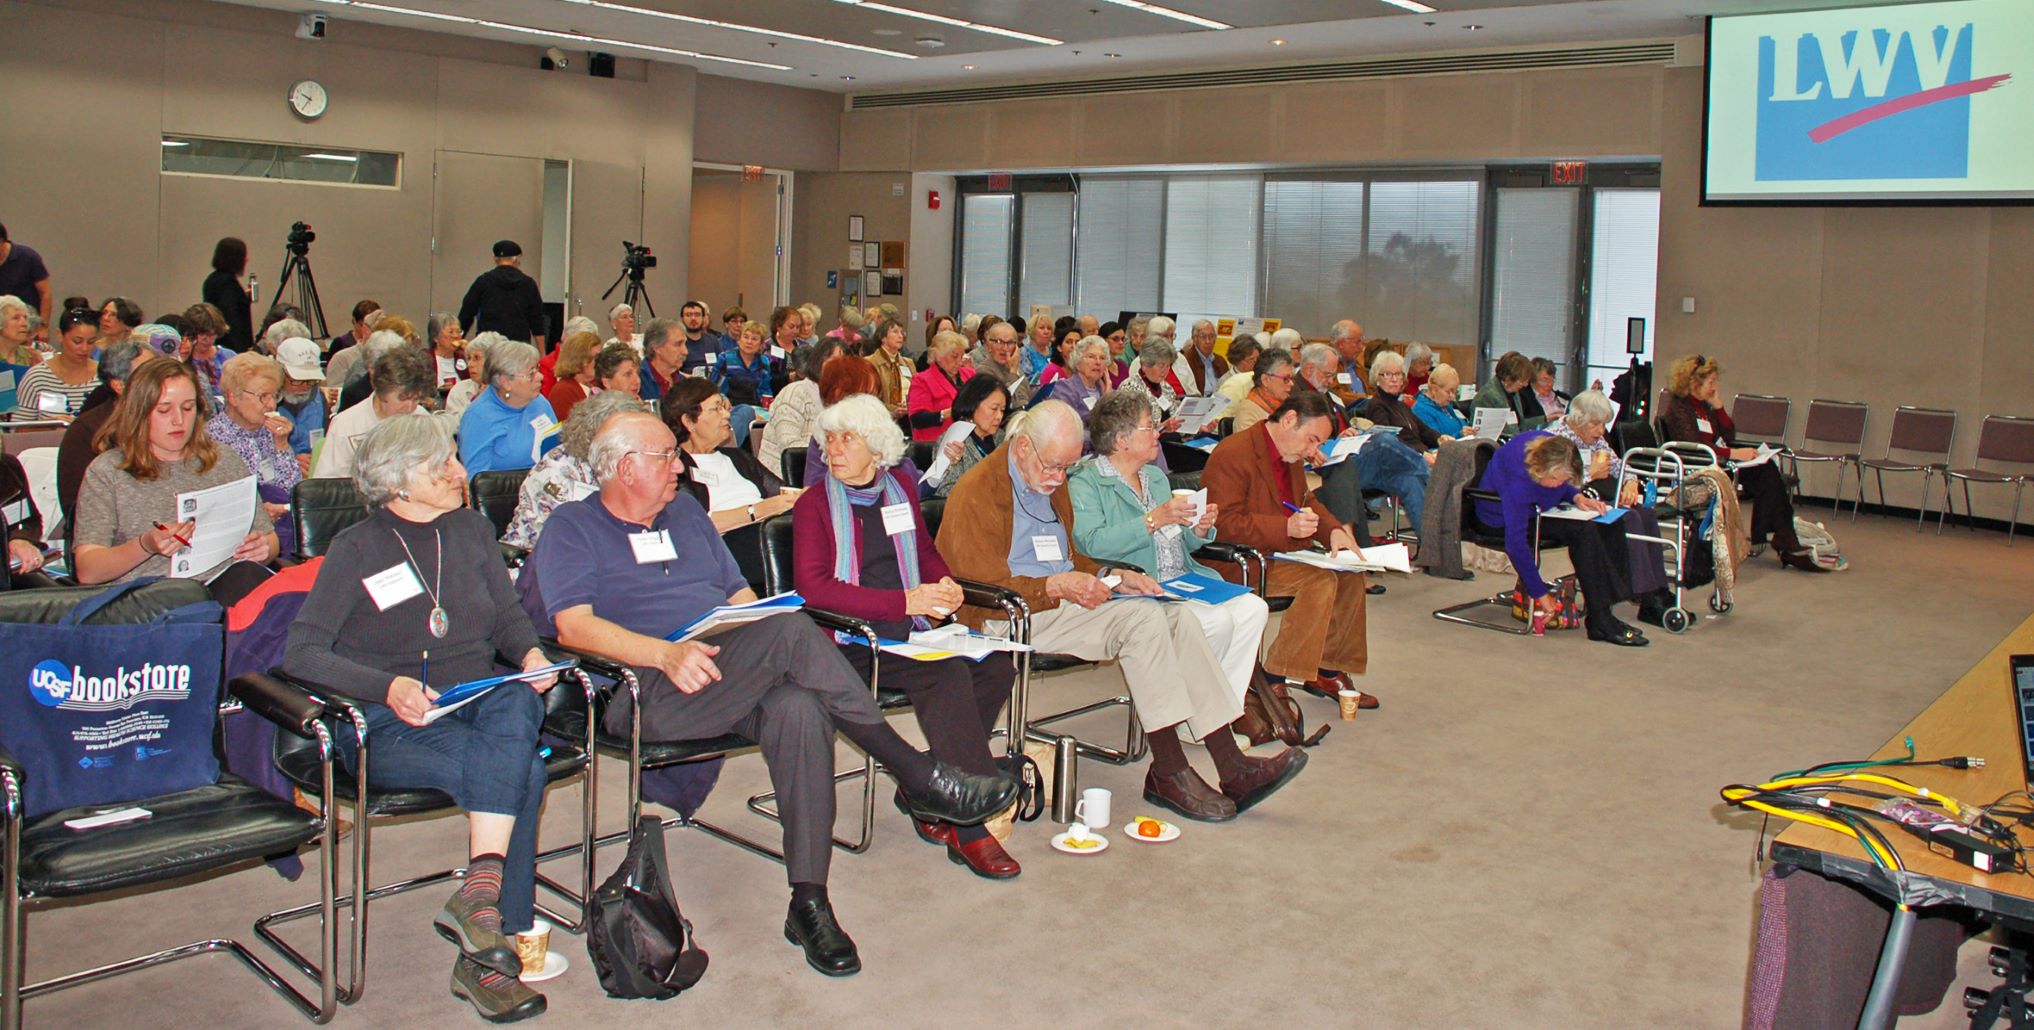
967 67
573 37
886 32
1411 5
1278 42
1473 28
1106 53
959 23
847 78
608 5
1167 12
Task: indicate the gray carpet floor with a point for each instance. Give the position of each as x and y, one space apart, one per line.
1526 835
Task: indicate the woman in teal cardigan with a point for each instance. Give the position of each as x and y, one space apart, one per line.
1124 512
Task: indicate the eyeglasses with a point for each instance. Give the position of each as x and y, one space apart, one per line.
666 457
1286 378
265 398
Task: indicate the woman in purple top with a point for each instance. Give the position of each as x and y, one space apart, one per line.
1538 471
1083 387
251 384
862 548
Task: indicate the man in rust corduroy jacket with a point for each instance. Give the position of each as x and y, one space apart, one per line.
1252 476
1008 522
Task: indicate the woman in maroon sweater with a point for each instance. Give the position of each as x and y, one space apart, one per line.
861 548
1692 414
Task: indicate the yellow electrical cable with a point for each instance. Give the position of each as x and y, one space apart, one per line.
1882 855
1949 804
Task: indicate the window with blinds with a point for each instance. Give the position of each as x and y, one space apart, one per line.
1211 225
1313 252
1420 261
985 252
1045 253
1532 277
1624 270
1119 244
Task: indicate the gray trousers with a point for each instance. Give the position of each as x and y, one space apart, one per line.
783 685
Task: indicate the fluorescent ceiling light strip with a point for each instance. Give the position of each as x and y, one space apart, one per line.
1167 12
175 143
331 157
717 24
1410 5
906 12
575 37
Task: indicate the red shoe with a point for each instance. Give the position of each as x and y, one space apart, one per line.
985 858
929 832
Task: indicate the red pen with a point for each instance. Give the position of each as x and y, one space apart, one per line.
173 536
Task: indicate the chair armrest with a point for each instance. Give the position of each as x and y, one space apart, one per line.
513 556
988 595
287 705
9 766
1475 494
1235 554
842 623
600 664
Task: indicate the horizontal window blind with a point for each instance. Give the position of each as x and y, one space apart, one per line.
1421 261
1623 272
1532 289
1313 252
1119 240
1045 275
1211 246
985 252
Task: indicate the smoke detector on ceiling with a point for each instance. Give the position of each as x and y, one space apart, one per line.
930 42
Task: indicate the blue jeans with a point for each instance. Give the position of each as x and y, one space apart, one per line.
1391 466
485 756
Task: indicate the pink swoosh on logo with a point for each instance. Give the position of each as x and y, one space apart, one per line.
1838 126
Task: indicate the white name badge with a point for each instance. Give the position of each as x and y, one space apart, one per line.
712 358
1702 425
541 424
1342 378
1089 401
651 547
777 352
16 512
897 518
392 586
52 402
1047 548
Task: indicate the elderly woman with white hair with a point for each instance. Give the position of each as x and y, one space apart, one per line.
1585 424
1419 366
448 345
567 473
1087 379
622 320
1152 375
1436 403
510 425
862 548
415 599
16 337
1388 406
251 385
463 393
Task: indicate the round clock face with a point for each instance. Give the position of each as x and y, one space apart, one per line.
309 99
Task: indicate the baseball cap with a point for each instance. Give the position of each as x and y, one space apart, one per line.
299 358
508 249
159 338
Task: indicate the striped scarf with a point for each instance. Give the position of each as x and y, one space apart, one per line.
847 557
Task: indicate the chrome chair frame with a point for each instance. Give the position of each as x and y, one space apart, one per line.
1884 464
2019 481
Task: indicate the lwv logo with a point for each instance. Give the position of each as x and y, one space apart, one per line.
1871 103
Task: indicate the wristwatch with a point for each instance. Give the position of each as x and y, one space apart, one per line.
752 513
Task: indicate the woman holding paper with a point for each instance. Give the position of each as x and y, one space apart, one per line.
411 601
127 524
1125 511
1691 413
862 549
980 406
933 391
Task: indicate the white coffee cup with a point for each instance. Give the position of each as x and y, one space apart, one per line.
1093 807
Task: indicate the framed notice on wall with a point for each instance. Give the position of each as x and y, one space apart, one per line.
872 254
854 228
872 283
855 257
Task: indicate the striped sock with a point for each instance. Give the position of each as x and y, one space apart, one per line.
482 890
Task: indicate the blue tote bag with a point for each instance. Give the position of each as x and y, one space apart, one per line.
104 714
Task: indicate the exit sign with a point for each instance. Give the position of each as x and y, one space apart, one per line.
999 180
1569 173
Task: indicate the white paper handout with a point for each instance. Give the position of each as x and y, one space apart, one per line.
1382 558
1766 453
1341 449
957 431
953 639
1491 421
223 514
1197 411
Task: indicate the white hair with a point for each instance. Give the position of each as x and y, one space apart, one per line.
865 416
508 360
1387 360
616 312
971 322
376 344
1160 326
1590 406
614 441
1203 323
1317 355
1044 421
8 302
283 330
393 449
1286 338
1086 344
1416 352
579 324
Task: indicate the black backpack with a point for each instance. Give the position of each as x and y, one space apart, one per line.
641 946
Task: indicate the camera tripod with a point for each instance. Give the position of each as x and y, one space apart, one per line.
297 263
637 296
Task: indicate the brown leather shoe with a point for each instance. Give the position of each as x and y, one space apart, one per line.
1261 777
1189 795
985 857
1325 686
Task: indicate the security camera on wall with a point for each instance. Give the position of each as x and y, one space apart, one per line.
311 26
554 59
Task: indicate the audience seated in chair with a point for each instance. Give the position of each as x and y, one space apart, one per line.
983 403
80 444
1693 414
858 556
411 601
617 573
726 480
566 474
401 377
1008 524
510 425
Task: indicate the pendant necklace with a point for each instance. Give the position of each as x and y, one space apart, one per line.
440 623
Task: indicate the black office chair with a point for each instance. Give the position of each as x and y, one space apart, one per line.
295 759
1181 458
320 509
1474 531
791 467
494 494
923 452
208 829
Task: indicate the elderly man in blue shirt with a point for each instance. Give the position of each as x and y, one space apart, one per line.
1008 522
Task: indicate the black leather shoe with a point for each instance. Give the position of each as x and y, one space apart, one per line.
810 925
1622 636
964 799
1375 589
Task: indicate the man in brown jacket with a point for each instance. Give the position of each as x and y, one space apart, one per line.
1259 484
1008 523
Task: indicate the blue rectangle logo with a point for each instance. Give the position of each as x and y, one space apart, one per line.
1867 104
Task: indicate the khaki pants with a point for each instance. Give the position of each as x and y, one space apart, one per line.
1162 651
1327 625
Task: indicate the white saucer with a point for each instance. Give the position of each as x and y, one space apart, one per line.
1059 843
555 965
1168 832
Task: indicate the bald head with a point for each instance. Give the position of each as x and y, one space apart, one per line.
634 457
1047 441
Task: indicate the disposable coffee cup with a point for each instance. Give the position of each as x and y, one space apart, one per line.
532 946
1350 700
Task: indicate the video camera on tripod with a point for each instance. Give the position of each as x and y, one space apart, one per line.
636 259
296 271
300 239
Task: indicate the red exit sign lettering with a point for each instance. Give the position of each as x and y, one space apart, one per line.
1570 173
